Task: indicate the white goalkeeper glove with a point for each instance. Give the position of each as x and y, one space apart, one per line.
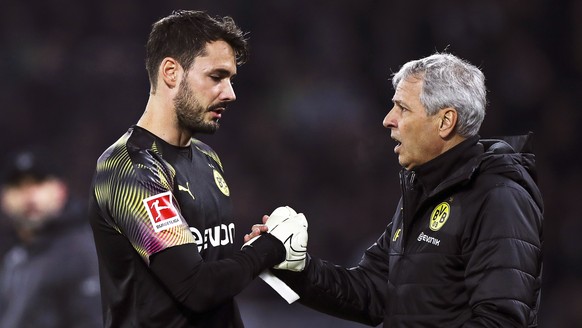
291 229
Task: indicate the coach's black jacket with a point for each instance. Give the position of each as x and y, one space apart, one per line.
463 248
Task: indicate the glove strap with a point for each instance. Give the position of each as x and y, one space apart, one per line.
279 286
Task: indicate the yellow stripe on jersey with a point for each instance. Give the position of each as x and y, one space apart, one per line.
121 185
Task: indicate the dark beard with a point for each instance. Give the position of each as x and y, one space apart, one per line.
190 113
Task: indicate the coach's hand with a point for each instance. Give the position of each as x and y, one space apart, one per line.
291 229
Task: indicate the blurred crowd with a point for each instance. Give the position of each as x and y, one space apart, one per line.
306 129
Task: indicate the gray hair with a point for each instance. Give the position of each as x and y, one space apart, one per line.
449 81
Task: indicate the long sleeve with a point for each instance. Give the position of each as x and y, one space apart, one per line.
355 294
503 273
200 285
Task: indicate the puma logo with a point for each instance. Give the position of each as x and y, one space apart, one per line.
182 188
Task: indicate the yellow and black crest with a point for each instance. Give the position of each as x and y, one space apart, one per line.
221 183
439 216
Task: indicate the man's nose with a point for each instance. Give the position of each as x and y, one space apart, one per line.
227 93
389 121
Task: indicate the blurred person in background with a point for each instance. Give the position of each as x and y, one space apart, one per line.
49 278
464 248
160 207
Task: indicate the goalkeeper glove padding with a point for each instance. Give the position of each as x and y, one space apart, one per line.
291 229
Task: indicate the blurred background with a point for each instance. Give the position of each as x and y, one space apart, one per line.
306 128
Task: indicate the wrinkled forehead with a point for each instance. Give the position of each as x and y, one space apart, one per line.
409 86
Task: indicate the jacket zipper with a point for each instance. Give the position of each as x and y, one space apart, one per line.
407 182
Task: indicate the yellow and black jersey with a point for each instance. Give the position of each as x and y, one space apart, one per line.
151 200
158 195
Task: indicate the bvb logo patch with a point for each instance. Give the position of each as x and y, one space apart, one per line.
439 216
221 183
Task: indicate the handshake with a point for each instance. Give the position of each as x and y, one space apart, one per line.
291 229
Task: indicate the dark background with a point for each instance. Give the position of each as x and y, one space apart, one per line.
306 128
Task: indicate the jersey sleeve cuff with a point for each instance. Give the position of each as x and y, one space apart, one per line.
269 249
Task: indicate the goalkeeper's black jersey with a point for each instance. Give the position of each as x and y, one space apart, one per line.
149 196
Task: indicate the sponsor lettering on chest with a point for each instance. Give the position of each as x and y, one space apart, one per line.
219 235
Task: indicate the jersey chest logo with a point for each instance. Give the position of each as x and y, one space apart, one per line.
162 212
439 216
221 183
186 189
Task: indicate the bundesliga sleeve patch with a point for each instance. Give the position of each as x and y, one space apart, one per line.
162 212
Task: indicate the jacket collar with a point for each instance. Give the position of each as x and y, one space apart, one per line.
454 166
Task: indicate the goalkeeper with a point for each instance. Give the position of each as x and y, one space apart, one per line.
161 211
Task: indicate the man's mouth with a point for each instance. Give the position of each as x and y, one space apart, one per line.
398 144
217 111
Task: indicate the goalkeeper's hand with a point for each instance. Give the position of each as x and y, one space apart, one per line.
291 229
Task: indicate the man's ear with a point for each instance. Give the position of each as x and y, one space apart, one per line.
170 72
448 122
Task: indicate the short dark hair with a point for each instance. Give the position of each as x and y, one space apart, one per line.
183 35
